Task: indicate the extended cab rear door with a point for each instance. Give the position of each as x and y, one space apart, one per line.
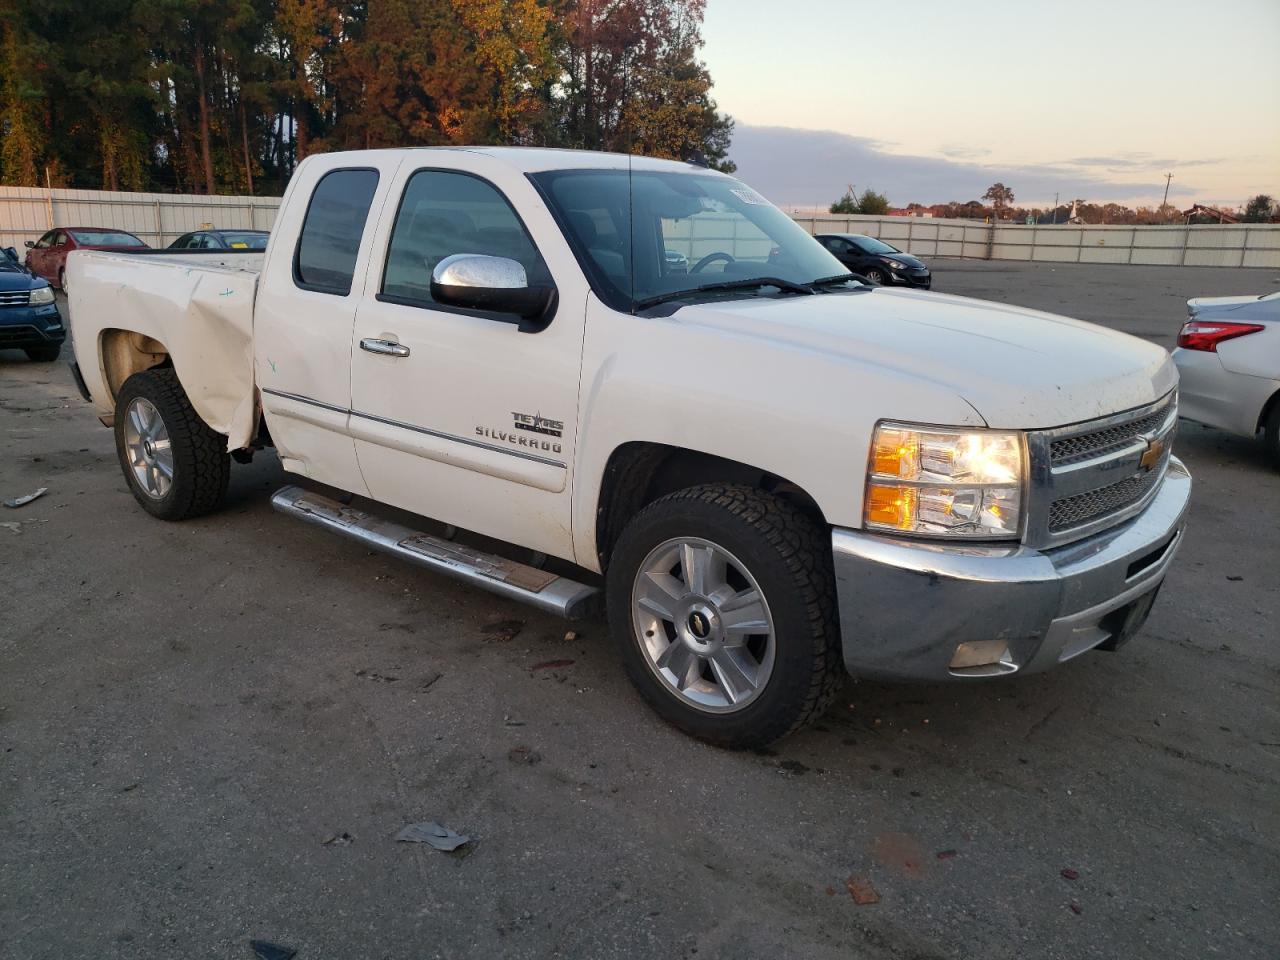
306 306
474 423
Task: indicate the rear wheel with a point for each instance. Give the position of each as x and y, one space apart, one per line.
176 466
722 601
1271 432
43 354
62 280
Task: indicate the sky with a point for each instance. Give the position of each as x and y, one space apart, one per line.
937 99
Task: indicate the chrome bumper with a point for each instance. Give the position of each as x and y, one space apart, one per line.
912 610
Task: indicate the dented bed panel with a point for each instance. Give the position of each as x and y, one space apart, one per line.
197 309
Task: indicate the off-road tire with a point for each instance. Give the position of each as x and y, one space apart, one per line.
789 555
201 464
43 354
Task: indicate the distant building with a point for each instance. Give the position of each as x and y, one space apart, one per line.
1203 214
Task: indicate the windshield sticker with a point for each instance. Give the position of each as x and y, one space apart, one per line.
749 196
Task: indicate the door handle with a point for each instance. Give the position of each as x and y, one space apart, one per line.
387 348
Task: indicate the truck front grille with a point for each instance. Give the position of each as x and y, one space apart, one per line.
1090 476
14 298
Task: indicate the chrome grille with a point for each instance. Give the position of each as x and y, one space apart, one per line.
1072 511
14 298
1088 445
1090 476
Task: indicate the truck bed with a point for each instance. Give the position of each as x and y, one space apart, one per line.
199 306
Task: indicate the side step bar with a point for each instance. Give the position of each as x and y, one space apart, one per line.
546 591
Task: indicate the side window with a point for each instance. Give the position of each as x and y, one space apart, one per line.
326 257
59 239
837 246
444 213
45 241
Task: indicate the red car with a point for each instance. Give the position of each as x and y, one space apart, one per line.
47 257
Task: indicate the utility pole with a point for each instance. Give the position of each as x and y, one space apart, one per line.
1055 207
1167 178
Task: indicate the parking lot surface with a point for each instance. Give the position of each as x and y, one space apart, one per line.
212 731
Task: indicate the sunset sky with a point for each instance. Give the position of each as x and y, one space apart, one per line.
934 100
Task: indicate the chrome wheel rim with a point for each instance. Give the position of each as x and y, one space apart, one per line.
146 440
703 625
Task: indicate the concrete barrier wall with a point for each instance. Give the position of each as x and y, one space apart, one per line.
26 213
160 218
1234 245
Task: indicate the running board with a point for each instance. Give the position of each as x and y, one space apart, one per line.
538 588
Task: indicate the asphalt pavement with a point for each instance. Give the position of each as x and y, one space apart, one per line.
211 732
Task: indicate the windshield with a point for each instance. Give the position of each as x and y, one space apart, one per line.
106 238
872 245
245 241
648 234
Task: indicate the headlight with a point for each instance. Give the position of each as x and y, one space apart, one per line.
41 295
897 265
945 483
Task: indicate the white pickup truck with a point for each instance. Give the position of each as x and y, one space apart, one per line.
771 469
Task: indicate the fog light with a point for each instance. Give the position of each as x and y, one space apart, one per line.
982 653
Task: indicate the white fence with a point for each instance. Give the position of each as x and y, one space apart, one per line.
1235 245
160 218
26 213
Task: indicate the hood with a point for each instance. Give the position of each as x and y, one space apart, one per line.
1018 368
13 277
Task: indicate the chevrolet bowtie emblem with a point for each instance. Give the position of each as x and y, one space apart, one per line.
1151 457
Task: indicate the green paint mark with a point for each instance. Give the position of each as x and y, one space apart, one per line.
273 364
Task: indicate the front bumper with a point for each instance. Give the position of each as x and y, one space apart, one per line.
920 279
22 327
914 610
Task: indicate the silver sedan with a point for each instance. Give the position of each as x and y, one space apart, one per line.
1228 356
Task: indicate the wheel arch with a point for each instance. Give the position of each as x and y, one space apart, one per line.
1273 402
640 472
122 353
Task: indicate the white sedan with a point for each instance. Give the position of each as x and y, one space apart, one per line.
1228 356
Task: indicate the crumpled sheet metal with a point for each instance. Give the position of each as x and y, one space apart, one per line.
200 308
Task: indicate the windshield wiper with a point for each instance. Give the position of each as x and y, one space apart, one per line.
839 278
745 284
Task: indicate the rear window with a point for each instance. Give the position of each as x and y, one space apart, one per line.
245 241
331 232
106 238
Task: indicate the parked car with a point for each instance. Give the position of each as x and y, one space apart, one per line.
29 317
47 257
877 261
1228 357
767 467
222 240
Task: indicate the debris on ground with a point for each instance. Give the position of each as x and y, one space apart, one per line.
946 854
793 767
1069 874
23 501
552 664
511 721
570 637
1233 579
831 891
375 677
523 754
502 631
271 951
338 840
427 682
863 893
15 526
1076 908
440 837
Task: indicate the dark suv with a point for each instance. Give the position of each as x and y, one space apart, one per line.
29 317
877 261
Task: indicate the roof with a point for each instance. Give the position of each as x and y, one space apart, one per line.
539 159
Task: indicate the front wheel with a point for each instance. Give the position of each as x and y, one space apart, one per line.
875 275
43 354
722 601
176 465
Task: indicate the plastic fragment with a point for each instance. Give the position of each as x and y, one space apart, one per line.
523 754
863 893
432 833
16 502
1069 874
338 840
271 951
1076 908
946 854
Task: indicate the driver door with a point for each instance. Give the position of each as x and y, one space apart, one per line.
457 414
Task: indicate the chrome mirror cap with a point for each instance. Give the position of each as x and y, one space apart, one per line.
477 271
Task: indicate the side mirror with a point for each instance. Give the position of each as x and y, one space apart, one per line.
494 284
29 244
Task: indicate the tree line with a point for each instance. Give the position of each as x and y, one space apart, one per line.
227 96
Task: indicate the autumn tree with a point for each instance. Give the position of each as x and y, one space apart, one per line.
999 196
1259 209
